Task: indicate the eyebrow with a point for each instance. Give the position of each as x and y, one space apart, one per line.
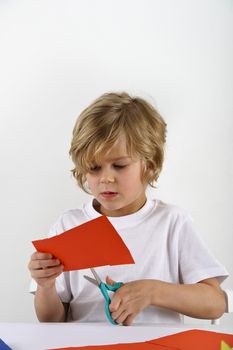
118 158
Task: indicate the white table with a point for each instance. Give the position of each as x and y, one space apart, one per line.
41 336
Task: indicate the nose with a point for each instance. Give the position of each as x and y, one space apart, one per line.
107 177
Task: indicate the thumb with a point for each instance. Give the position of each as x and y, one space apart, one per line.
110 281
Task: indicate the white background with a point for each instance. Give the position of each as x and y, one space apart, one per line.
56 56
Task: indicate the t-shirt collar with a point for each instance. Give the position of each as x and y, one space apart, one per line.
121 221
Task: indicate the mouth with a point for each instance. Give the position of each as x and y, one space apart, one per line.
108 194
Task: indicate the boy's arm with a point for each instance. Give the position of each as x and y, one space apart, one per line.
48 305
204 299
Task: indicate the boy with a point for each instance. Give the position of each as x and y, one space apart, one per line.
118 149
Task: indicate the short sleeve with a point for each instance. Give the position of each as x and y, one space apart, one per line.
196 262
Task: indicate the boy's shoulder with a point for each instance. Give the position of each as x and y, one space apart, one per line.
73 213
171 210
69 219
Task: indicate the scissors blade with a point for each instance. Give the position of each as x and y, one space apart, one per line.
98 279
91 280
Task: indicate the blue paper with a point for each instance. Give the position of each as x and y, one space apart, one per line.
3 345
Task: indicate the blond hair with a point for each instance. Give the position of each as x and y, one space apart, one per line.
101 124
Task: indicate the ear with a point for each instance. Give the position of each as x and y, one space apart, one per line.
148 171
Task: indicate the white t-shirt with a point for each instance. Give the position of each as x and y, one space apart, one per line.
163 242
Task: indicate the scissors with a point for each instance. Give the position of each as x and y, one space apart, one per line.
104 288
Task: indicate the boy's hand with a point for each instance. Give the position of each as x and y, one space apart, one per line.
44 269
129 300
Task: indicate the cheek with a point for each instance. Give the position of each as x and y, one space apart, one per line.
90 181
132 180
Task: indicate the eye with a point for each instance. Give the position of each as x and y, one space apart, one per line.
95 168
119 166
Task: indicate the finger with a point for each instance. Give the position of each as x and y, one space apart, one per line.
49 278
45 273
129 320
43 264
116 314
115 302
122 317
44 280
110 281
41 256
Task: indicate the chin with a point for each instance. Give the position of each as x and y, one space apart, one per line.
111 207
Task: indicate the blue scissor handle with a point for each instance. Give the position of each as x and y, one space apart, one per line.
104 287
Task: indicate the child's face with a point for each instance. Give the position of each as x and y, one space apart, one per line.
116 182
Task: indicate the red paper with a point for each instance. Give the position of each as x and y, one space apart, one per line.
126 346
194 339
188 340
95 243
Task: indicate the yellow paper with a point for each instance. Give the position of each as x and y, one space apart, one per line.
224 346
